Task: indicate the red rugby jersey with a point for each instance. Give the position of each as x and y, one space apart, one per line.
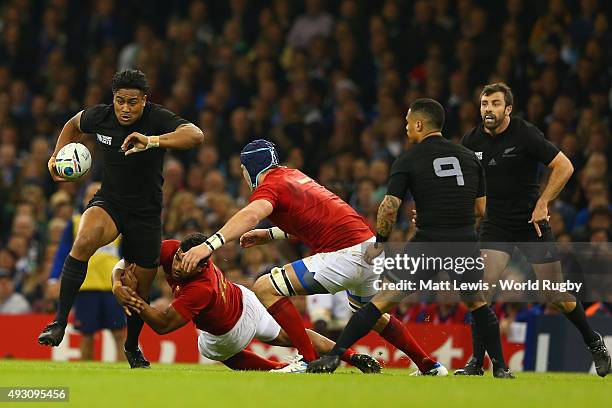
213 303
315 215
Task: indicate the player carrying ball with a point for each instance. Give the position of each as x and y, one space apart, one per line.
130 199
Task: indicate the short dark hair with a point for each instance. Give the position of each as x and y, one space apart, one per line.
130 79
499 87
431 109
191 240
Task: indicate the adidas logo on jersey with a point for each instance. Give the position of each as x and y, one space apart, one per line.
492 162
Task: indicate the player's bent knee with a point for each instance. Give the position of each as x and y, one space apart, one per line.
274 284
281 283
281 340
85 245
381 323
384 305
262 286
474 305
564 307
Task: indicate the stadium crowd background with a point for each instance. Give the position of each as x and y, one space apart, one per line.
328 81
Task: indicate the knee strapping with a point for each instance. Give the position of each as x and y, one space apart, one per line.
281 282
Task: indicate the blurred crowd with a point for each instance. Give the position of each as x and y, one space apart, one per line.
328 81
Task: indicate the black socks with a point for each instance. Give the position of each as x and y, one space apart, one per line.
487 329
578 319
478 347
73 275
358 326
134 327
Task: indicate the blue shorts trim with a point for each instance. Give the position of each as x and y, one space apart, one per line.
356 302
300 269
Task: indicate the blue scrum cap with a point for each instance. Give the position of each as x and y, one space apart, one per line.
257 157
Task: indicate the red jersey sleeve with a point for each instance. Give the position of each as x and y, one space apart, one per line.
168 249
269 192
191 299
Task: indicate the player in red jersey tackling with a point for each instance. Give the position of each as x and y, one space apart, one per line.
228 315
303 209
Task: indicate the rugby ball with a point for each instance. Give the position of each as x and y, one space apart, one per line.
73 161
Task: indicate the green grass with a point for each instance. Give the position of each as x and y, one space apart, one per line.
177 385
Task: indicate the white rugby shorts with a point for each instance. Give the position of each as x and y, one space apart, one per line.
254 322
342 270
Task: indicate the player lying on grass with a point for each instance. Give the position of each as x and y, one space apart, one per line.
228 315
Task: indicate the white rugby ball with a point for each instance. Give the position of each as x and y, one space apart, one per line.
73 161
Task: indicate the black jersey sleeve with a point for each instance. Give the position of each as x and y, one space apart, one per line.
543 150
166 120
482 183
399 178
90 117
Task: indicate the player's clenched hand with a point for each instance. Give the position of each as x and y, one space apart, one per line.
53 171
136 303
192 258
128 278
255 237
414 216
539 216
138 143
371 252
123 294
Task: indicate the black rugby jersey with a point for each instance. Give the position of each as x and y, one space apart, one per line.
133 181
511 161
444 178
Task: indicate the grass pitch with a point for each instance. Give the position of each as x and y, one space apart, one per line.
179 385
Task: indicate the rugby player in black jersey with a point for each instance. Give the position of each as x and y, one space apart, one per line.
448 186
511 151
130 199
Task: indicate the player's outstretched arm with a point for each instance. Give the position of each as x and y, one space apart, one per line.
243 221
71 132
262 236
562 170
184 137
123 283
162 322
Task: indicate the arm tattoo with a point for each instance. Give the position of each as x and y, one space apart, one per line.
387 214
